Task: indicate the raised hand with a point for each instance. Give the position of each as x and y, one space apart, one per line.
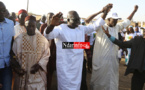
135 8
106 32
134 11
107 8
56 19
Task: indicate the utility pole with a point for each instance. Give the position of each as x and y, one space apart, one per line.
27 5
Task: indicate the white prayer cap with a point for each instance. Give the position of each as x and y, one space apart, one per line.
113 15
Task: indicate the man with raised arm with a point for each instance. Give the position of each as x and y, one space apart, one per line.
105 74
69 61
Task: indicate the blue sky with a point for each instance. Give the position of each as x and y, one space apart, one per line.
83 7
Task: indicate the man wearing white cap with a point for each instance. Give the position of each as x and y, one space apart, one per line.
105 61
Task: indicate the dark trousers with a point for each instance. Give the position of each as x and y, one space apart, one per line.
51 67
138 80
6 78
90 59
83 82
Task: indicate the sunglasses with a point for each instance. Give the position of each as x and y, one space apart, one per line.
76 20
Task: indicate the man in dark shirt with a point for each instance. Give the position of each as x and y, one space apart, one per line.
136 63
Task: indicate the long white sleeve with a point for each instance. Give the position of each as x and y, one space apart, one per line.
123 24
54 33
95 26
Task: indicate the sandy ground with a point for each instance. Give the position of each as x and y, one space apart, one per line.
124 81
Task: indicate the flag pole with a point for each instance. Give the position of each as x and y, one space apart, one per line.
27 5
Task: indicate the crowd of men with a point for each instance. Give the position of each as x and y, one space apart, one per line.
31 51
